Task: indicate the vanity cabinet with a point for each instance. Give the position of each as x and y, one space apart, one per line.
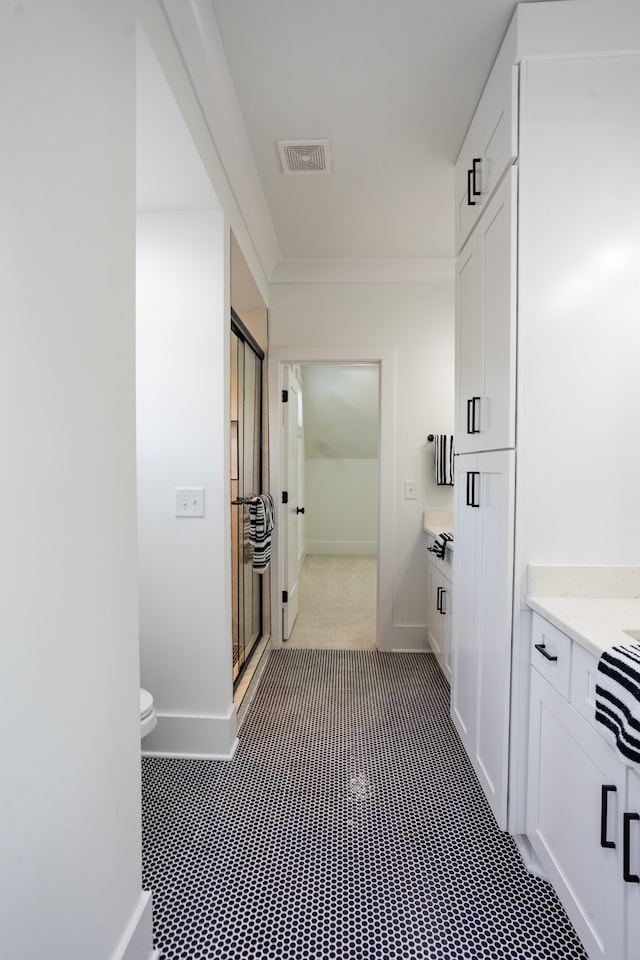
440 607
580 795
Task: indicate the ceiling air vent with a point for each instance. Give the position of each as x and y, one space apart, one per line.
304 156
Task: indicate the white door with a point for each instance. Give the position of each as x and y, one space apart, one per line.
290 515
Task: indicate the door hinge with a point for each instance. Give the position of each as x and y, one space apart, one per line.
285 396
285 596
285 496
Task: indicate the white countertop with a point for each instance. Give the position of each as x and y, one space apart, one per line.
437 522
596 623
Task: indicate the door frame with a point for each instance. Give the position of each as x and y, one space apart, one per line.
385 357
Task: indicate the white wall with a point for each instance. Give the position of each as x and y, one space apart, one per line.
342 506
70 748
342 426
183 390
418 321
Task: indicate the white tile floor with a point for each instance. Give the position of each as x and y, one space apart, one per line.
337 604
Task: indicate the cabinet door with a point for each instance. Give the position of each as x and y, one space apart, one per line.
469 359
494 592
464 654
497 415
446 605
490 146
435 625
570 814
632 889
486 328
482 621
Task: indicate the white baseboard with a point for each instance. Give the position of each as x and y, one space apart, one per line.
343 548
192 737
137 940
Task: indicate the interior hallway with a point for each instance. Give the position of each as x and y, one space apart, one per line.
337 607
348 825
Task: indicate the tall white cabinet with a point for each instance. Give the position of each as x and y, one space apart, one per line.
548 345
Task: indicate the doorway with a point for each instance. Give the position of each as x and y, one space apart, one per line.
281 360
246 482
331 441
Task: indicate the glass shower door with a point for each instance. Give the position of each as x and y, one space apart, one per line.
246 474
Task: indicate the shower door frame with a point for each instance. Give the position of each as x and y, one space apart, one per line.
241 332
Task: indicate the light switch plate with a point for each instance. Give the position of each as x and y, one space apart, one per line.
189 501
411 489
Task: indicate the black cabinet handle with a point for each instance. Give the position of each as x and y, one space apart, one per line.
607 788
474 173
474 428
629 877
549 656
299 509
442 607
470 190
439 600
471 488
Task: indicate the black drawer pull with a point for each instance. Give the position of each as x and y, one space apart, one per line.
439 600
607 788
629 877
469 413
441 608
545 653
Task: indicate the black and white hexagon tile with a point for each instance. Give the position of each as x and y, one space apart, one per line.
348 826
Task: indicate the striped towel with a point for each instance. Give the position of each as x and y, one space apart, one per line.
618 699
444 459
439 545
261 522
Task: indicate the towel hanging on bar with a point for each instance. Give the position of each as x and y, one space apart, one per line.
261 523
444 459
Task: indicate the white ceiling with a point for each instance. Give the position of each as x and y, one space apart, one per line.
392 84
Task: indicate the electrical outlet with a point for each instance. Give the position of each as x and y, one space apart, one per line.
411 489
189 501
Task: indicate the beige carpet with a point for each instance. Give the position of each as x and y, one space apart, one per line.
337 607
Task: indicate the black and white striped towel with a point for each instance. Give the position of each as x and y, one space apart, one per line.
261 523
439 545
618 699
444 460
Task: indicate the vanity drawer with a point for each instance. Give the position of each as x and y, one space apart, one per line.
551 654
584 674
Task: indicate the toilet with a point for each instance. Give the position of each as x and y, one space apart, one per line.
148 717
